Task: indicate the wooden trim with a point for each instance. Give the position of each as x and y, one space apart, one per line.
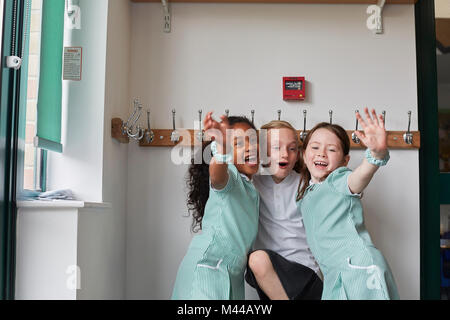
443 34
116 131
162 139
290 1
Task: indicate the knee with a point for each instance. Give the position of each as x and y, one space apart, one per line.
260 264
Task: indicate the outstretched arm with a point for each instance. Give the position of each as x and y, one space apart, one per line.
375 138
218 171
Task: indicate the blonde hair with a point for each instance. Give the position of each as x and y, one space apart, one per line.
280 124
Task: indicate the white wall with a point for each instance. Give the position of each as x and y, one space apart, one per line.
100 254
233 56
92 164
442 8
115 155
46 249
80 166
61 252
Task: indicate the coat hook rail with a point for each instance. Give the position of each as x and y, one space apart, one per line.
191 137
163 137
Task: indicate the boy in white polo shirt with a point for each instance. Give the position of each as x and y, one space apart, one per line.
281 265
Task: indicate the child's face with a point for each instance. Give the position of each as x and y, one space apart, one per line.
245 149
324 154
283 152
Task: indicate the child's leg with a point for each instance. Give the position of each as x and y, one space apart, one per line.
262 268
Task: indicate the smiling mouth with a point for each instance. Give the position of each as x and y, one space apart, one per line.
320 164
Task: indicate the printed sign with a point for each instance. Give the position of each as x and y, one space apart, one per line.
73 57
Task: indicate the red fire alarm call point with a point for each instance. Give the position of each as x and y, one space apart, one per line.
293 88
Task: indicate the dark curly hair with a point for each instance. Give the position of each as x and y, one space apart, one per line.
198 180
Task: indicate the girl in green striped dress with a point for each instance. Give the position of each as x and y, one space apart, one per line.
225 205
332 212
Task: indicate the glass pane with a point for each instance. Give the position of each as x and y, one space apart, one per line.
32 154
442 10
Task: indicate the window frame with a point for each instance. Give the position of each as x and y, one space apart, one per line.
10 99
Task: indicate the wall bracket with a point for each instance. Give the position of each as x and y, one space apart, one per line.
167 19
375 21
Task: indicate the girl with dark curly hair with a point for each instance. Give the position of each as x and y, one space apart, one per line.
225 206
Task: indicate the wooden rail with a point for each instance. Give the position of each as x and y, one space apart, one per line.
188 136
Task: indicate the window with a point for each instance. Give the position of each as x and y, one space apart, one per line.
34 158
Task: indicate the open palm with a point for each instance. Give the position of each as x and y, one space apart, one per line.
216 130
374 135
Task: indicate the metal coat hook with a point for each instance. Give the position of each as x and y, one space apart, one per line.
331 116
200 132
253 116
408 136
138 135
354 136
303 134
279 115
227 112
127 127
175 136
149 135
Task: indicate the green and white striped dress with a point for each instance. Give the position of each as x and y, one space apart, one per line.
353 268
213 267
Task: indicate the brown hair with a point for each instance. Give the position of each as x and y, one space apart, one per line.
280 124
345 144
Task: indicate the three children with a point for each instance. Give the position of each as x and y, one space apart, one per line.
329 208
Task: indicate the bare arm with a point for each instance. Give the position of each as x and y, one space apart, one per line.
218 171
375 138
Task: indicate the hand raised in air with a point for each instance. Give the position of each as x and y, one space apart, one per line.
374 135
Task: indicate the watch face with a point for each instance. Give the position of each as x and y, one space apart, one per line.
293 85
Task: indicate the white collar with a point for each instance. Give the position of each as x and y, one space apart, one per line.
245 177
311 182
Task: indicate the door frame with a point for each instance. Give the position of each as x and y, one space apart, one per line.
429 151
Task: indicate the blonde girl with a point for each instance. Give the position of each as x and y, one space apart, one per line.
281 265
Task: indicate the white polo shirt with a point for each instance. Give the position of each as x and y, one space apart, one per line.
280 221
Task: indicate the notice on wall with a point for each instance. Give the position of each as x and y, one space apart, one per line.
73 58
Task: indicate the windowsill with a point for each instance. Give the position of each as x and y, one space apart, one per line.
69 204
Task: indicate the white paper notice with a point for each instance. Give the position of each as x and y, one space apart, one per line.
73 58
